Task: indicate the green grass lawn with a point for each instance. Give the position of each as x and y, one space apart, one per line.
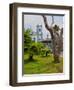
42 65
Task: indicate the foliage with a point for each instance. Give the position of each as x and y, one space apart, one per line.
38 46
45 51
35 49
56 27
27 38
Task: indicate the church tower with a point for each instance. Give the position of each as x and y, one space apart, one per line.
39 32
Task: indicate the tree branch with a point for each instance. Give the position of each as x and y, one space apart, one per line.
47 26
61 32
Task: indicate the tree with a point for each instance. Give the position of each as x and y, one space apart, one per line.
57 39
35 49
30 47
27 39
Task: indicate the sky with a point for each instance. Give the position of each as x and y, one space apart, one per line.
31 21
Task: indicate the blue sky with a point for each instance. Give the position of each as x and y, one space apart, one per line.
30 21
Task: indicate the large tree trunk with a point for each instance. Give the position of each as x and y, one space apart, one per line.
56 52
56 47
56 40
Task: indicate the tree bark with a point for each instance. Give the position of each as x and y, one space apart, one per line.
56 52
